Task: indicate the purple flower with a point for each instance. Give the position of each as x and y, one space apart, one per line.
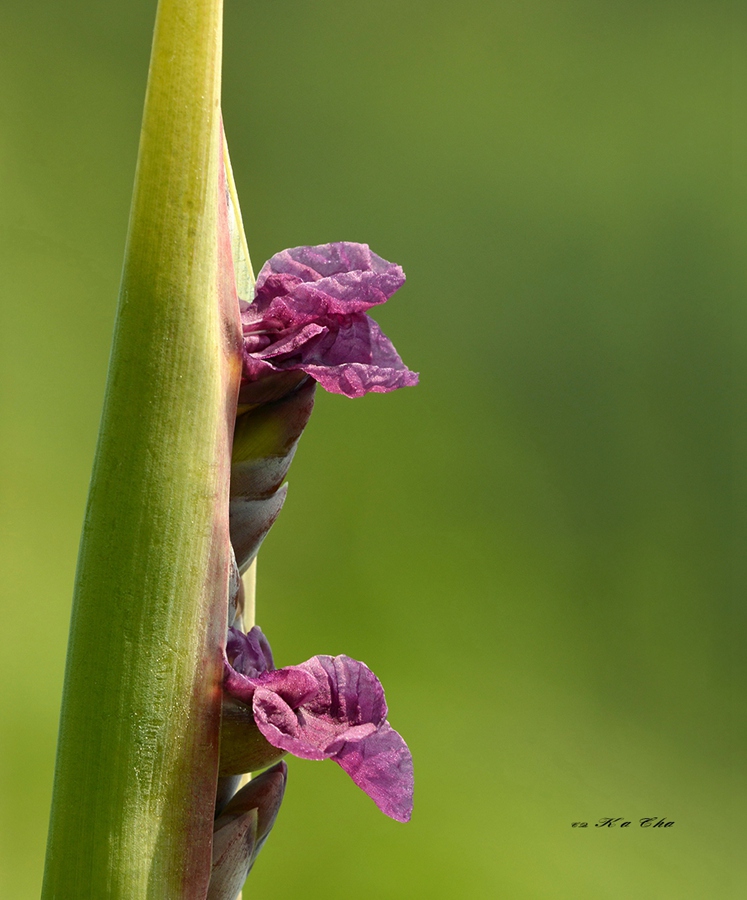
309 317
329 707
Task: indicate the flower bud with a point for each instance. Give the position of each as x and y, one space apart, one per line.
241 830
265 440
243 747
233 852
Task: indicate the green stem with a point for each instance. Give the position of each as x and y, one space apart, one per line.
138 750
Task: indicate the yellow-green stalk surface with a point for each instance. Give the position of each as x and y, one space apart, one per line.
138 753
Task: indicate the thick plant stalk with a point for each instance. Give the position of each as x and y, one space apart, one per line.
137 758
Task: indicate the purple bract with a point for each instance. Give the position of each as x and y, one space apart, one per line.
309 316
329 707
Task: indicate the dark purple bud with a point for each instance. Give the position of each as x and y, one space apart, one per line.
250 654
241 830
233 850
265 794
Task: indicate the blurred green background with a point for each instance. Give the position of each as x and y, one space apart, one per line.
540 550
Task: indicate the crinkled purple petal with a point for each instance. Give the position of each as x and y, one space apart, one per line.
338 265
319 261
358 340
294 343
360 360
356 379
348 705
381 765
299 731
288 728
295 303
293 685
348 691
308 315
273 286
352 358
340 295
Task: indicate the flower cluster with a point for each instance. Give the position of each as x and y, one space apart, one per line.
329 707
307 324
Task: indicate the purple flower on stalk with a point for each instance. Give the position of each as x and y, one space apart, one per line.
329 707
309 317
